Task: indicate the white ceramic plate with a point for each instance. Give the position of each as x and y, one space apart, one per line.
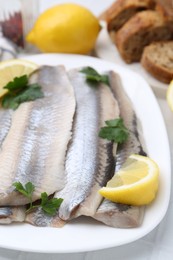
85 234
106 50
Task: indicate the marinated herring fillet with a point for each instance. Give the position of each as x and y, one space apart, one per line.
8 214
38 218
35 146
115 214
12 214
90 159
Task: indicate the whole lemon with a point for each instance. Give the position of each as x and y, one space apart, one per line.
65 28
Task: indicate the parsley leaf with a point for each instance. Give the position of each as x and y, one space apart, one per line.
94 77
20 91
26 190
17 83
114 131
48 205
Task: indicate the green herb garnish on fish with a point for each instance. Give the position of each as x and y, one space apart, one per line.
94 77
20 91
48 205
114 130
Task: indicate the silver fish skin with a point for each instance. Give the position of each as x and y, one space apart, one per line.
8 214
5 123
40 219
90 159
35 146
115 214
135 142
12 214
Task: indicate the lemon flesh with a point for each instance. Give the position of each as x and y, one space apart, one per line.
136 183
169 95
14 68
65 28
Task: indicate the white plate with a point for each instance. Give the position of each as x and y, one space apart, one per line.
85 234
106 50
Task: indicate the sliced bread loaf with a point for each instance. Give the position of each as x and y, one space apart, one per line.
142 29
122 10
157 59
165 7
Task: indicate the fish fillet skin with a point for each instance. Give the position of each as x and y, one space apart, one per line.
5 122
41 219
8 214
90 160
115 214
12 214
35 147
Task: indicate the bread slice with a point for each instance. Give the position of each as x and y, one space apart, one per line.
157 59
122 10
165 7
142 29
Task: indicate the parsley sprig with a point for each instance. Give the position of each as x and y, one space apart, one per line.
93 76
48 205
19 91
114 130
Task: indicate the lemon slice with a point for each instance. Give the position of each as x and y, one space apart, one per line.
136 183
169 95
14 68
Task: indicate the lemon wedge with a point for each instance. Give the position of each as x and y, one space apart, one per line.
136 183
14 68
169 95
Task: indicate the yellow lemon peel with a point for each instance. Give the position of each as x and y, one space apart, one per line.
65 28
136 183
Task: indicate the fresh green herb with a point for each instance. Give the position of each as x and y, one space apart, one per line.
26 190
48 205
114 131
94 77
19 91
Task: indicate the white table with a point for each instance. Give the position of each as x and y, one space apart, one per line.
158 244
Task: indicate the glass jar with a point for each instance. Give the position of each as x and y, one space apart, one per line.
17 18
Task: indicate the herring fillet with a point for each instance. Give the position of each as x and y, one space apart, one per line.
8 214
115 214
12 214
35 146
90 160
40 219
5 122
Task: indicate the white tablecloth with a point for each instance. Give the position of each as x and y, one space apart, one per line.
158 244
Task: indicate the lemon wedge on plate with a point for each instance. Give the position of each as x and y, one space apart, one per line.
169 95
136 183
14 68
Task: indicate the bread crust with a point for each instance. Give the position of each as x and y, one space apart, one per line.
159 71
122 10
142 29
165 8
